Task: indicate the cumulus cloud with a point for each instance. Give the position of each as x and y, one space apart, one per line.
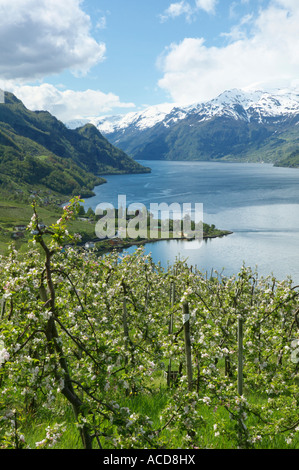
177 9
42 37
66 105
206 5
189 10
260 52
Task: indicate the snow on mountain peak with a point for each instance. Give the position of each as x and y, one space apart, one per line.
235 103
149 117
258 103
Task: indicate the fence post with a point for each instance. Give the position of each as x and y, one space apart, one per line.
172 299
2 307
125 320
170 329
242 432
186 326
240 356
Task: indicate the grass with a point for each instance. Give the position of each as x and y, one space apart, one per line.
14 213
150 404
34 429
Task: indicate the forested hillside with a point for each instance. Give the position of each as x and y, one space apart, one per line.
36 150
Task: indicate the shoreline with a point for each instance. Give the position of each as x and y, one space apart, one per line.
120 245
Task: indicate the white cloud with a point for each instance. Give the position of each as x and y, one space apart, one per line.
185 8
42 37
65 104
102 23
206 5
240 31
261 52
177 9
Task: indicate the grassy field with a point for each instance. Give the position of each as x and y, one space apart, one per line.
150 404
14 214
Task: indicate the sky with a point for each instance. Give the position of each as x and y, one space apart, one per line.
88 58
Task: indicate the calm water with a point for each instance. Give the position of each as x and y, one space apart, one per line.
258 202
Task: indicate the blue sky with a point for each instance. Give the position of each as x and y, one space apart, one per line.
89 58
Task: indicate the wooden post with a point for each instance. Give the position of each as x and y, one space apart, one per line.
125 315
172 299
125 320
240 356
242 427
2 307
186 326
170 329
147 298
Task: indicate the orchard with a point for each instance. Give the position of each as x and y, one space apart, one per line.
89 341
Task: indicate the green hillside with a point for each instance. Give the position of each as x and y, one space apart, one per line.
38 151
216 139
291 161
220 138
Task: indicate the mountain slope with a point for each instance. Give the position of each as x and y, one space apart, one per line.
291 161
36 148
236 125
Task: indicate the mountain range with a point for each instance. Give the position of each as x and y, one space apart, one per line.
235 126
39 151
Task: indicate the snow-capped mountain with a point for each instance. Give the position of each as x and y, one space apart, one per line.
258 105
142 120
235 124
232 103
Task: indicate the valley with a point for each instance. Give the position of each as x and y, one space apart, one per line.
235 126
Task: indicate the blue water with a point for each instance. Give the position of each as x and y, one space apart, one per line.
257 202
